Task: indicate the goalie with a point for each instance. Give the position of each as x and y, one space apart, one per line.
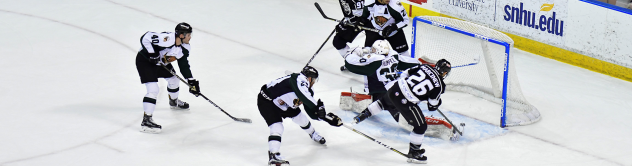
380 62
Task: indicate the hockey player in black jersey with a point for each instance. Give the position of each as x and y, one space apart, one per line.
388 16
379 64
158 50
417 84
345 32
281 99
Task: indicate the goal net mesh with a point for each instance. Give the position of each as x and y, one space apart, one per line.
479 57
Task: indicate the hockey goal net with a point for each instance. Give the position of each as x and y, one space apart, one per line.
481 63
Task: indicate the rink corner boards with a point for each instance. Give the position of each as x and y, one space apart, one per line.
543 49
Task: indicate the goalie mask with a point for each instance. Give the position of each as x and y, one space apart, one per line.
380 47
443 67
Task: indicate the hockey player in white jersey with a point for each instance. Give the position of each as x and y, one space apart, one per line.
385 64
158 50
379 64
422 83
388 16
281 99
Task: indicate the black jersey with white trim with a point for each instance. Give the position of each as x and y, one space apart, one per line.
351 8
422 83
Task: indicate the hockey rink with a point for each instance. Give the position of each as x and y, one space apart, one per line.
71 94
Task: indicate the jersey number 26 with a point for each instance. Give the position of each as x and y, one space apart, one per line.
420 85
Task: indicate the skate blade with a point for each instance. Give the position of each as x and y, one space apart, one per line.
278 164
411 160
178 108
145 129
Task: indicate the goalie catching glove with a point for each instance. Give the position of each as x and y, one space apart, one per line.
330 118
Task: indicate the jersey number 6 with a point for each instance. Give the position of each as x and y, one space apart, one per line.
422 86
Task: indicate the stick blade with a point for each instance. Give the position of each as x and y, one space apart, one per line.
321 11
245 120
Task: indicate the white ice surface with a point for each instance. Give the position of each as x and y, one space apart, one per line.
71 94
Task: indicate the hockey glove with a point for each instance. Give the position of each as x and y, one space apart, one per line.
363 21
388 30
194 87
345 24
320 109
333 120
433 107
154 60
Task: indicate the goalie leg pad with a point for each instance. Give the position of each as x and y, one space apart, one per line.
355 102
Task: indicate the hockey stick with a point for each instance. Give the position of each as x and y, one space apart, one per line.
332 19
321 47
374 140
236 119
446 118
454 66
287 72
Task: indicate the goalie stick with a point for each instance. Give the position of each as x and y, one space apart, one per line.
209 100
332 19
374 140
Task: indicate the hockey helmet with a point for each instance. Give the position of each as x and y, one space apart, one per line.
183 28
443 67
381 47
384 1
310 72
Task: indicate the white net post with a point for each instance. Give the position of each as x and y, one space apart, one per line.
481 63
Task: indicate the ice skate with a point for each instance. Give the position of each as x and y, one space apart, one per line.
148 125
277 160
316 137
343 68
362 116
416 154
178 104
